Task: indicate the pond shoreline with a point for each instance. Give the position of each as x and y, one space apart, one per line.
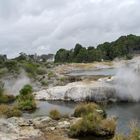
124 111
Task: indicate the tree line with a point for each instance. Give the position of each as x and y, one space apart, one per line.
125 46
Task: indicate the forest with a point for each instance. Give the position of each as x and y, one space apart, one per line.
124 46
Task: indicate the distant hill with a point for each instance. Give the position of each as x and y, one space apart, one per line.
124 46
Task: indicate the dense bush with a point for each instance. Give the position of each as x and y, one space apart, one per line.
26 99
93 124
27 105
92 121
85 126
30 68
108 125
9 111
84 109
12 66
55 114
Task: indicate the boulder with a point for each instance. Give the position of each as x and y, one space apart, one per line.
63 124
19 129
41 122
79 91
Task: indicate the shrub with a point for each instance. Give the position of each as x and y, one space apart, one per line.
44 82
3 71
108 125
27 105
13 112
93 121
133 135
26 90
55 114
7 98
135 131
1 88
30 68
93 124
84 109
9 111
12 66
120 137
87 125
3 109
26 99
51 74
41 71
63 79
77 129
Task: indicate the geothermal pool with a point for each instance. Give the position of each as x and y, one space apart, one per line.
103 71
128 83
125 112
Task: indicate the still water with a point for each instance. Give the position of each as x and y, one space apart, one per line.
105 72
125 112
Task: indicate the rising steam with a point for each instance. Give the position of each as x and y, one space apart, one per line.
127 81
13 86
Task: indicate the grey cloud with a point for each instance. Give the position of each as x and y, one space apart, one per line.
43 26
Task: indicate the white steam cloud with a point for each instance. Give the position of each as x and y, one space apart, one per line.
127 81
13 86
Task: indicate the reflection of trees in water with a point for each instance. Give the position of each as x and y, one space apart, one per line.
69 104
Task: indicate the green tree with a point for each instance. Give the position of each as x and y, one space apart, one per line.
125 46
61 55
77 49
82 56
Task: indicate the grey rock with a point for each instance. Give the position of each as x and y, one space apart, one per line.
18 129
41 122
64 124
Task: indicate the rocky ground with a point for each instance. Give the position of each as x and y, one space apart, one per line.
108 88
41 128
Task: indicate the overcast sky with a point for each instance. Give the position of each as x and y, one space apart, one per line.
44 26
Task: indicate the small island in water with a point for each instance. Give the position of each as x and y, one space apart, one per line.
78 94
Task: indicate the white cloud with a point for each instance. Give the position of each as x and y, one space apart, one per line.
43 26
